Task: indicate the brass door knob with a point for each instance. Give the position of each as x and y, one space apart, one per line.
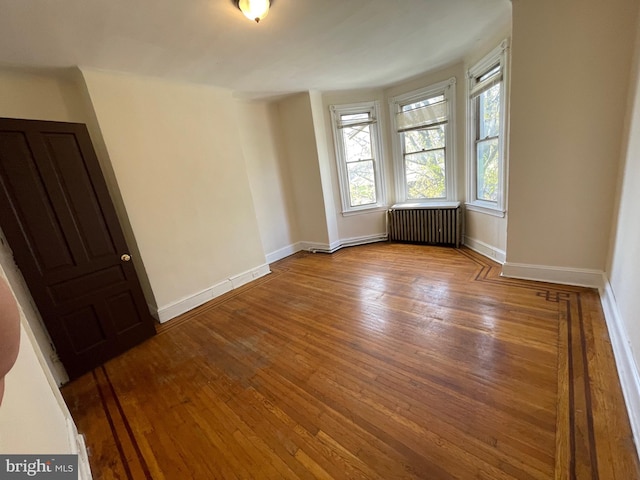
125 257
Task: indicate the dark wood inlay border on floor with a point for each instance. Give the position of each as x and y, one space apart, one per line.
580 446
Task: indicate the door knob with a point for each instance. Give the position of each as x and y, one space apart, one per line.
125 257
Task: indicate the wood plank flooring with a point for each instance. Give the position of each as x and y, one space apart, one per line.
385 361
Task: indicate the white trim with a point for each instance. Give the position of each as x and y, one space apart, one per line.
245 277
563 275
625 363
315 247
284 252
485 249
500 55
448 89
363 240
373 109
487 210
172 310
374 209
78 447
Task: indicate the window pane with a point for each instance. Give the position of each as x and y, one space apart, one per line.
489 112
423 103
427 139
425 175
362 183
357 143
487 170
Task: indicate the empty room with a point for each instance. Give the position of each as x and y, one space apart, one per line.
296 239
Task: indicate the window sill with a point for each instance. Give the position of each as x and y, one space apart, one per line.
360 211
486 209
425 205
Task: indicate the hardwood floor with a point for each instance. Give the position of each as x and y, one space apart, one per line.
386 361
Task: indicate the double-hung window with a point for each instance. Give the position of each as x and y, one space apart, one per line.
423 143
486 133
357 142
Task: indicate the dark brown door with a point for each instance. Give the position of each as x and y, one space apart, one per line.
57 215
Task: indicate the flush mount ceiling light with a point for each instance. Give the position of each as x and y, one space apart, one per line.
253 9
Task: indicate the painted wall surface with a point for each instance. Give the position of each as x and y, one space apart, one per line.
324 164
489 230
176 154
260 137
624 265
33 415
569 79
40 97
301 154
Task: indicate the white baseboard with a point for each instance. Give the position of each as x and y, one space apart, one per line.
485 249
542 273
353 241
78 447
284 252
625 363
343 242
189 303
316 247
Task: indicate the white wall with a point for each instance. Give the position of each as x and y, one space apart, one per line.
48 95
570 75
620 297
301 156
324 163
175 152
33 416
269 177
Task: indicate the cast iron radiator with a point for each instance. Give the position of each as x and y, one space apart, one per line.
434 224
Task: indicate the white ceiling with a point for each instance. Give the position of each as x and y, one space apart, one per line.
300 45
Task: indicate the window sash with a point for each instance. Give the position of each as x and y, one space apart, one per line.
484 85
421 117
354 185
480 179
485 192
360 177
406 173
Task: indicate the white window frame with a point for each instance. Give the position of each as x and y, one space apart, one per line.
499 55
372 108
448 89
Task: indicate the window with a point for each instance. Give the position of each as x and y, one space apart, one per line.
486 133
423 143
355 130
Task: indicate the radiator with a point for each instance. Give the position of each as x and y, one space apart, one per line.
435 224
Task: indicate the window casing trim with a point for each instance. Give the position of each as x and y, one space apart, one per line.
446 88
372 108
498 56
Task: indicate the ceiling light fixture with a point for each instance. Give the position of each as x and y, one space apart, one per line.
253 9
